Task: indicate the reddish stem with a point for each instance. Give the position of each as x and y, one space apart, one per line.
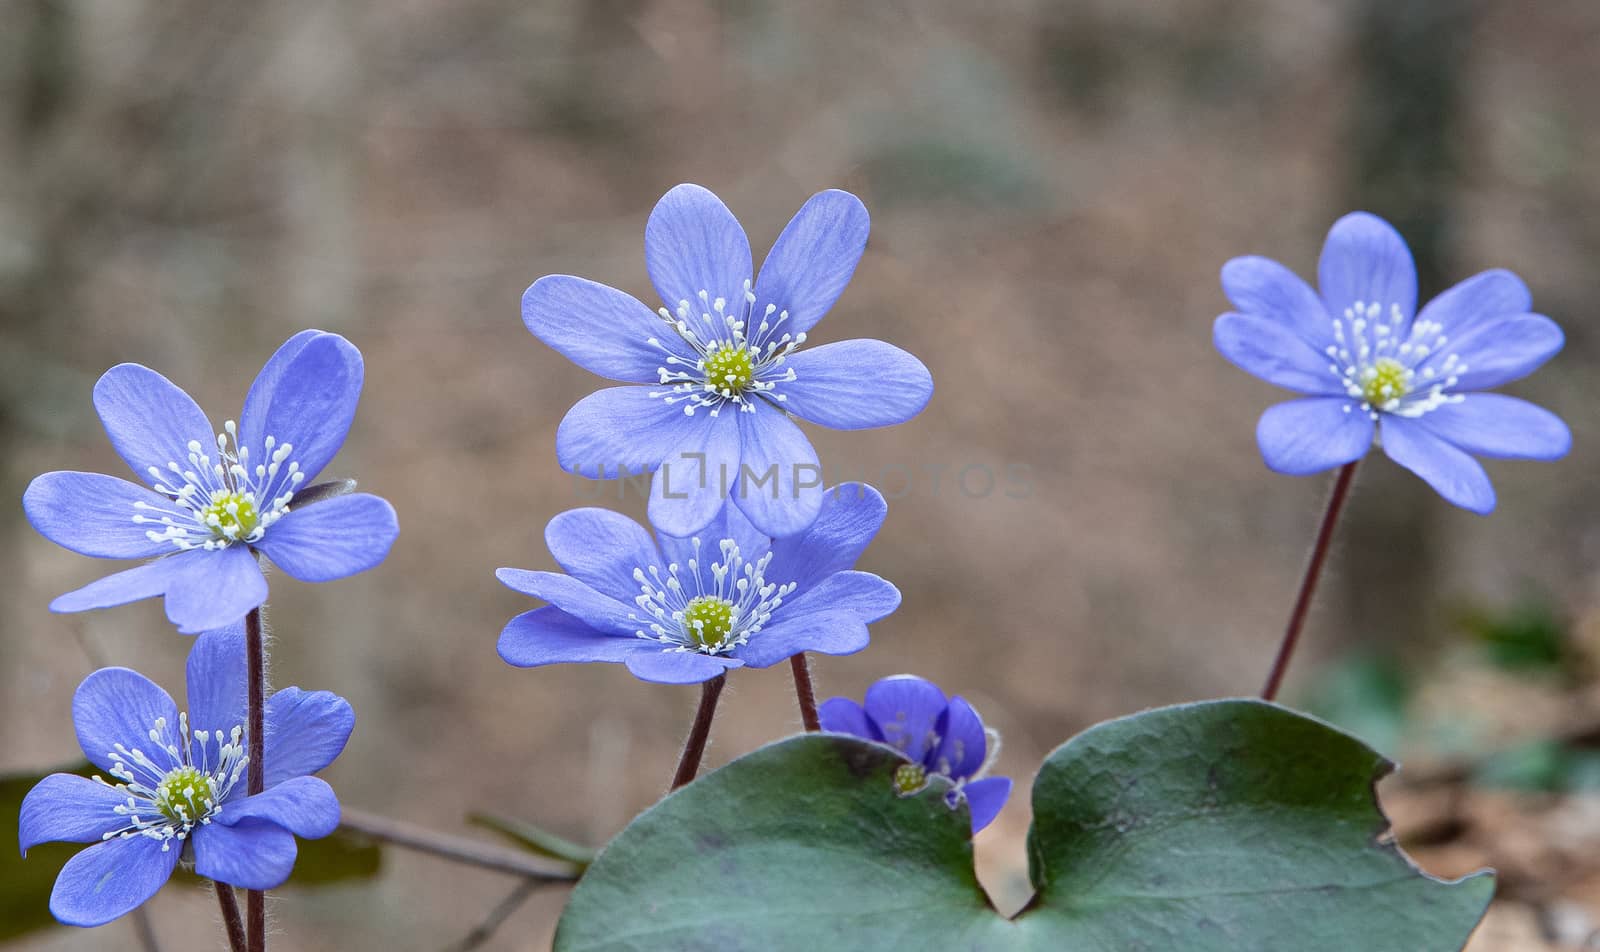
1308 584
695 747
230 917
256 655
804 692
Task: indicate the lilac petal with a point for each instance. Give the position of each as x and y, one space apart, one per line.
692 243
851 514
1497 352
111 879
204 589
573 597
129 585
838 632
693 482
332 538
601 549
119 706
1365 259
626 431
94 515
217 680
253 854
149 420
272 373
1274 353
305 396
985 798
780 479
1495 425
551 636
729 523
1482 298
1450 471
1302 437
963 746
856 385
1261 287
678 667
70 808
813 259
305 806
599 328
907 709
213 589
863 594
844 716
306 731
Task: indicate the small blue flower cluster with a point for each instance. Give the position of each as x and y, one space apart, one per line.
748 560
212 503
751 561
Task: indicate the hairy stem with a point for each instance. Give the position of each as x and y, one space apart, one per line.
1308 584
804 692
256 653
695 747
230 916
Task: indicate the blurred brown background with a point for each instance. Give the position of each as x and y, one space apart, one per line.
1053 189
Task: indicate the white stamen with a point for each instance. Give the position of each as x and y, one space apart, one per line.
665 598
691 382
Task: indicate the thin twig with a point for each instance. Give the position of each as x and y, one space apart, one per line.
804 692
255 651
230 916
695 746
503 910
1308 584
458 848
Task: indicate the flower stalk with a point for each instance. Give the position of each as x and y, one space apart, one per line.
256 780
804 692
231 921
695 746
1308 584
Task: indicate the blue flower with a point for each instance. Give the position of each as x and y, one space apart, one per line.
682 610
720 363
937 735
1376 370
179 778
217 499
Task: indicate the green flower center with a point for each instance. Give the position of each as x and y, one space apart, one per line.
729 370
184 795
708 620
909 778
1384 381
231 515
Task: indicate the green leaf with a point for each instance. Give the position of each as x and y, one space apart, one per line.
1228 825
536 839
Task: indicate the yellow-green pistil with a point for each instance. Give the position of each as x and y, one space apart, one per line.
231 514
909 778
184 795
708 620
1385 381
729 369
